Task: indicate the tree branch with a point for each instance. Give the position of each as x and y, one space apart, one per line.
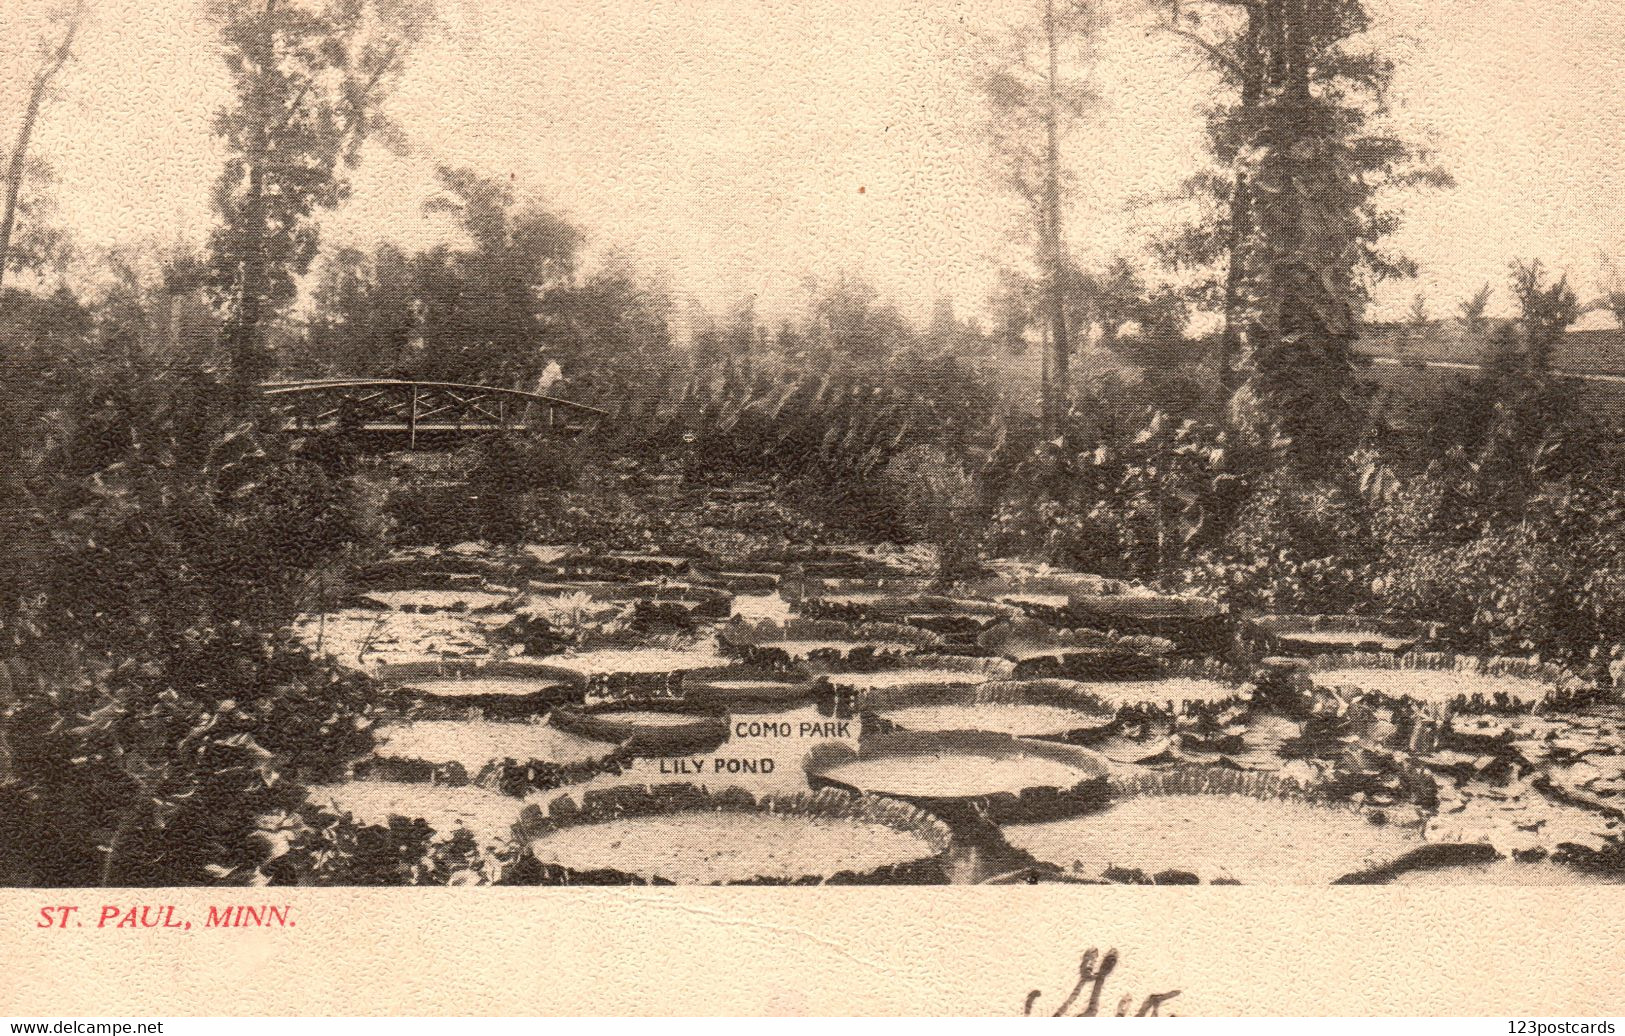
1212 50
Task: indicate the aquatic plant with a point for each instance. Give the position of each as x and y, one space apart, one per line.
1215 824
686 833
1465 683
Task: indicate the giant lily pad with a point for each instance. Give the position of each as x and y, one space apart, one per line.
919 674
799 641
464 750
645 668
1021 585
949 616
746 685
1464 683
1219 826
627 564
1048 709
690 837
1006 776
1307 635
1195 624
646 730
508 689
1183 688
1039 651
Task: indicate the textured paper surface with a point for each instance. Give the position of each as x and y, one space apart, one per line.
975 951
888 196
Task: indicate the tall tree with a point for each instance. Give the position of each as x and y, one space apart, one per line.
309 78
1297 200
1038 87
1471 311
1613 291
482 303
363 319
52 60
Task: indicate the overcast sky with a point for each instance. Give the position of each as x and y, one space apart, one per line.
746 146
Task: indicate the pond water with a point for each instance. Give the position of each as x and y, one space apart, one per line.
1550 784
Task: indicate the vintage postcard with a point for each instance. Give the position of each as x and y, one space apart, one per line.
671 495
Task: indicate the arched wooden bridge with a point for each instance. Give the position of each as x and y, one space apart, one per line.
414 413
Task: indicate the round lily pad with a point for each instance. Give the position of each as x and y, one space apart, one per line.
692 837
1310 635
474 746
1008 776
647 730
1468 684
1049 709
1266 837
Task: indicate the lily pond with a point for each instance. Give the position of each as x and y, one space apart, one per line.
833 715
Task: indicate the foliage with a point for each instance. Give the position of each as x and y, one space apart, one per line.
314 846
128 774
1294 208
827 426
510 305
484 491
154 708
308 80
1548 580
363 322
478 304
1132 502
168 512
507 472
1294 548
1511 419
1470 311
940 503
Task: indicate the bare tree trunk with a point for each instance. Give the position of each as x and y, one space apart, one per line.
1043 379
1061 365
1252 89
49 68
248 366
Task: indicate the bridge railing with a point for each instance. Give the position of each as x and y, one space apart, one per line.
411 408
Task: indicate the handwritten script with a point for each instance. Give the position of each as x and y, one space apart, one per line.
1092 974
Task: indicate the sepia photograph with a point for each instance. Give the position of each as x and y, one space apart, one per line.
726 443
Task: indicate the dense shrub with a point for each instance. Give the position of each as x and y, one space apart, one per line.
314 846
155 710
632 505
1132 501
940 503
826 428
487 491
1295 548
129 775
